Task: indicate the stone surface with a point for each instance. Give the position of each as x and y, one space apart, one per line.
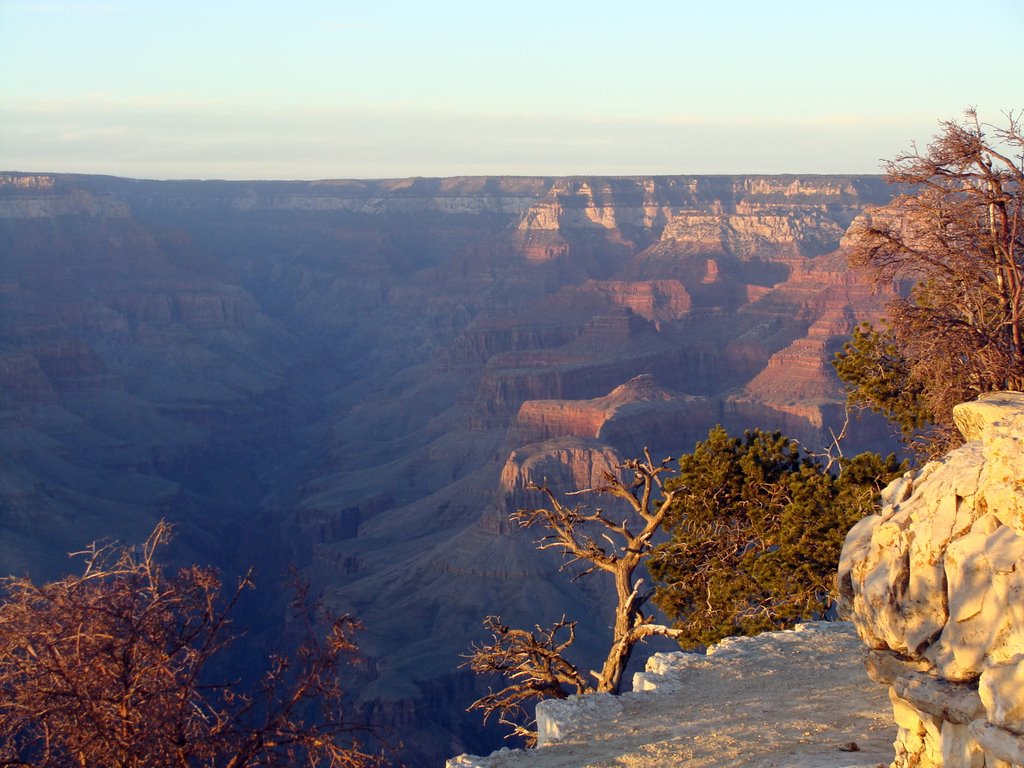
998 743
953 702
937 578
1001 688
791 699
885 667
959 747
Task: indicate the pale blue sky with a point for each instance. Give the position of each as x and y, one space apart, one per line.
307 89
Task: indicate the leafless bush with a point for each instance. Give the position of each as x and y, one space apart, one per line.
113 668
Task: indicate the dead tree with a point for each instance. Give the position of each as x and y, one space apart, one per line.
533 662
956 233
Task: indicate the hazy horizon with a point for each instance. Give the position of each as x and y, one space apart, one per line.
327 180
317 90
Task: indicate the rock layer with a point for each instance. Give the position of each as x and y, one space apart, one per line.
937 578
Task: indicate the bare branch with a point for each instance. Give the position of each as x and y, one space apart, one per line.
533 662
957 234
113 667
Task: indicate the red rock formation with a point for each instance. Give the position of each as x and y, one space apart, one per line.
650 299
572 463
799 383
636 415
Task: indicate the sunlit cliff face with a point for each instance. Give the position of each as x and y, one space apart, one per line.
933 584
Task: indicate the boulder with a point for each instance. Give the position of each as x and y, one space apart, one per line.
935 582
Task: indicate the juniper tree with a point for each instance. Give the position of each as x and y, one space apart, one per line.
757 526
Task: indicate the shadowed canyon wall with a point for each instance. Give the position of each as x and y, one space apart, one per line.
363 376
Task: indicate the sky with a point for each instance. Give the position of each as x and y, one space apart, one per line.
304 89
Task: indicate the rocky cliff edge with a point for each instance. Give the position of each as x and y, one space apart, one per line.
935 586
797 699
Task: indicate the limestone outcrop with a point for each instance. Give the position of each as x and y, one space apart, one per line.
935 586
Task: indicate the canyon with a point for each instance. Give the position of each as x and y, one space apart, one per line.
363 378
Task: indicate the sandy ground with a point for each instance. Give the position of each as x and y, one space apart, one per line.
800 699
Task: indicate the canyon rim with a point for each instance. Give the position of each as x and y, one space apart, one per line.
363 377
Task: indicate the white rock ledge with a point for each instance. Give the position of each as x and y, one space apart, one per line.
796 699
